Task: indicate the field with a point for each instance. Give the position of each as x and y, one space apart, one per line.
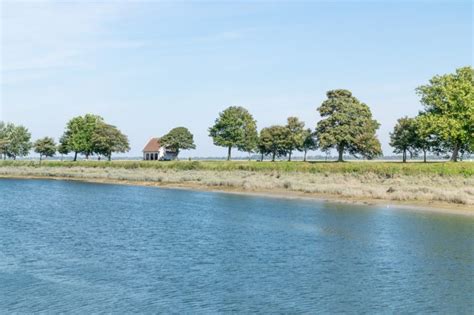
363 167
435 183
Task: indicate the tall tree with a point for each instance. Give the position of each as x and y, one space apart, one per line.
309 142
426 141
274 140
297 133
78 134
234 128
107 139
5 131
449 109
347 126
250 140
404 137
178 139
63 148
45 147
18 142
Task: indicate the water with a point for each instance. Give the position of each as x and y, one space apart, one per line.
78 247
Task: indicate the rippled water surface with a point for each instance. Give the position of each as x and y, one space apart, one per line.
78 247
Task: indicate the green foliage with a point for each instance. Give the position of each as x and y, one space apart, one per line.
90 134
404 137
107 139
63 148
275 140
235 128
449 110
45 147
79 132
5 130
296 135
347 126
177 139
309 141
14 140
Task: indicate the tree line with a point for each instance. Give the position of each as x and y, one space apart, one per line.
346 125
86 135
83 135
444 126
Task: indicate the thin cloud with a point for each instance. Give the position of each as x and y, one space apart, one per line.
37 36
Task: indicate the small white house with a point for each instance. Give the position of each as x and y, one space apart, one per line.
153 151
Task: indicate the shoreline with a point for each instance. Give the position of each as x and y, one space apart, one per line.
412 205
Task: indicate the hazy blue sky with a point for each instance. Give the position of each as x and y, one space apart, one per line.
148 66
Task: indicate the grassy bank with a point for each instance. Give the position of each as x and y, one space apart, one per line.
419 183
375 167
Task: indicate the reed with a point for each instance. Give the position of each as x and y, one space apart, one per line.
450 183
387 169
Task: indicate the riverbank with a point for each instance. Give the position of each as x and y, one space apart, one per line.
424 190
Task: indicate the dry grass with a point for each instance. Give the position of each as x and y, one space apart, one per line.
398 187
361 167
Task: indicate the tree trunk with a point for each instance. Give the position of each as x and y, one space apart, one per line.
41 158
110 157
289 156
454 157
340 150
424 155
75 156
305 152
273 156
229 151
404 156
262 157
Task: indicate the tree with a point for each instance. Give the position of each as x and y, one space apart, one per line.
274 140
404 137
234 128
45 147
5 130
309 142
79 132
107 139
63 148
177 139
425 141
18 141
250 140
297 133
347 126
449 110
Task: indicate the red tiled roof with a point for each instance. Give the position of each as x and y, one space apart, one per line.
153 145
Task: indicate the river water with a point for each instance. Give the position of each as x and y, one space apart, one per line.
82 248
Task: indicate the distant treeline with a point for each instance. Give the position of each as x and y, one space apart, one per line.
444 127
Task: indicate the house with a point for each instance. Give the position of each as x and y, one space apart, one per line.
153 151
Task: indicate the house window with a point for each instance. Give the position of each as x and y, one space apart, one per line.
147 157
156 156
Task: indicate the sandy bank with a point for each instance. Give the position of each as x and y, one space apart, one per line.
454 195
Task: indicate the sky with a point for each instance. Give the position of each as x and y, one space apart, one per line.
150 66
